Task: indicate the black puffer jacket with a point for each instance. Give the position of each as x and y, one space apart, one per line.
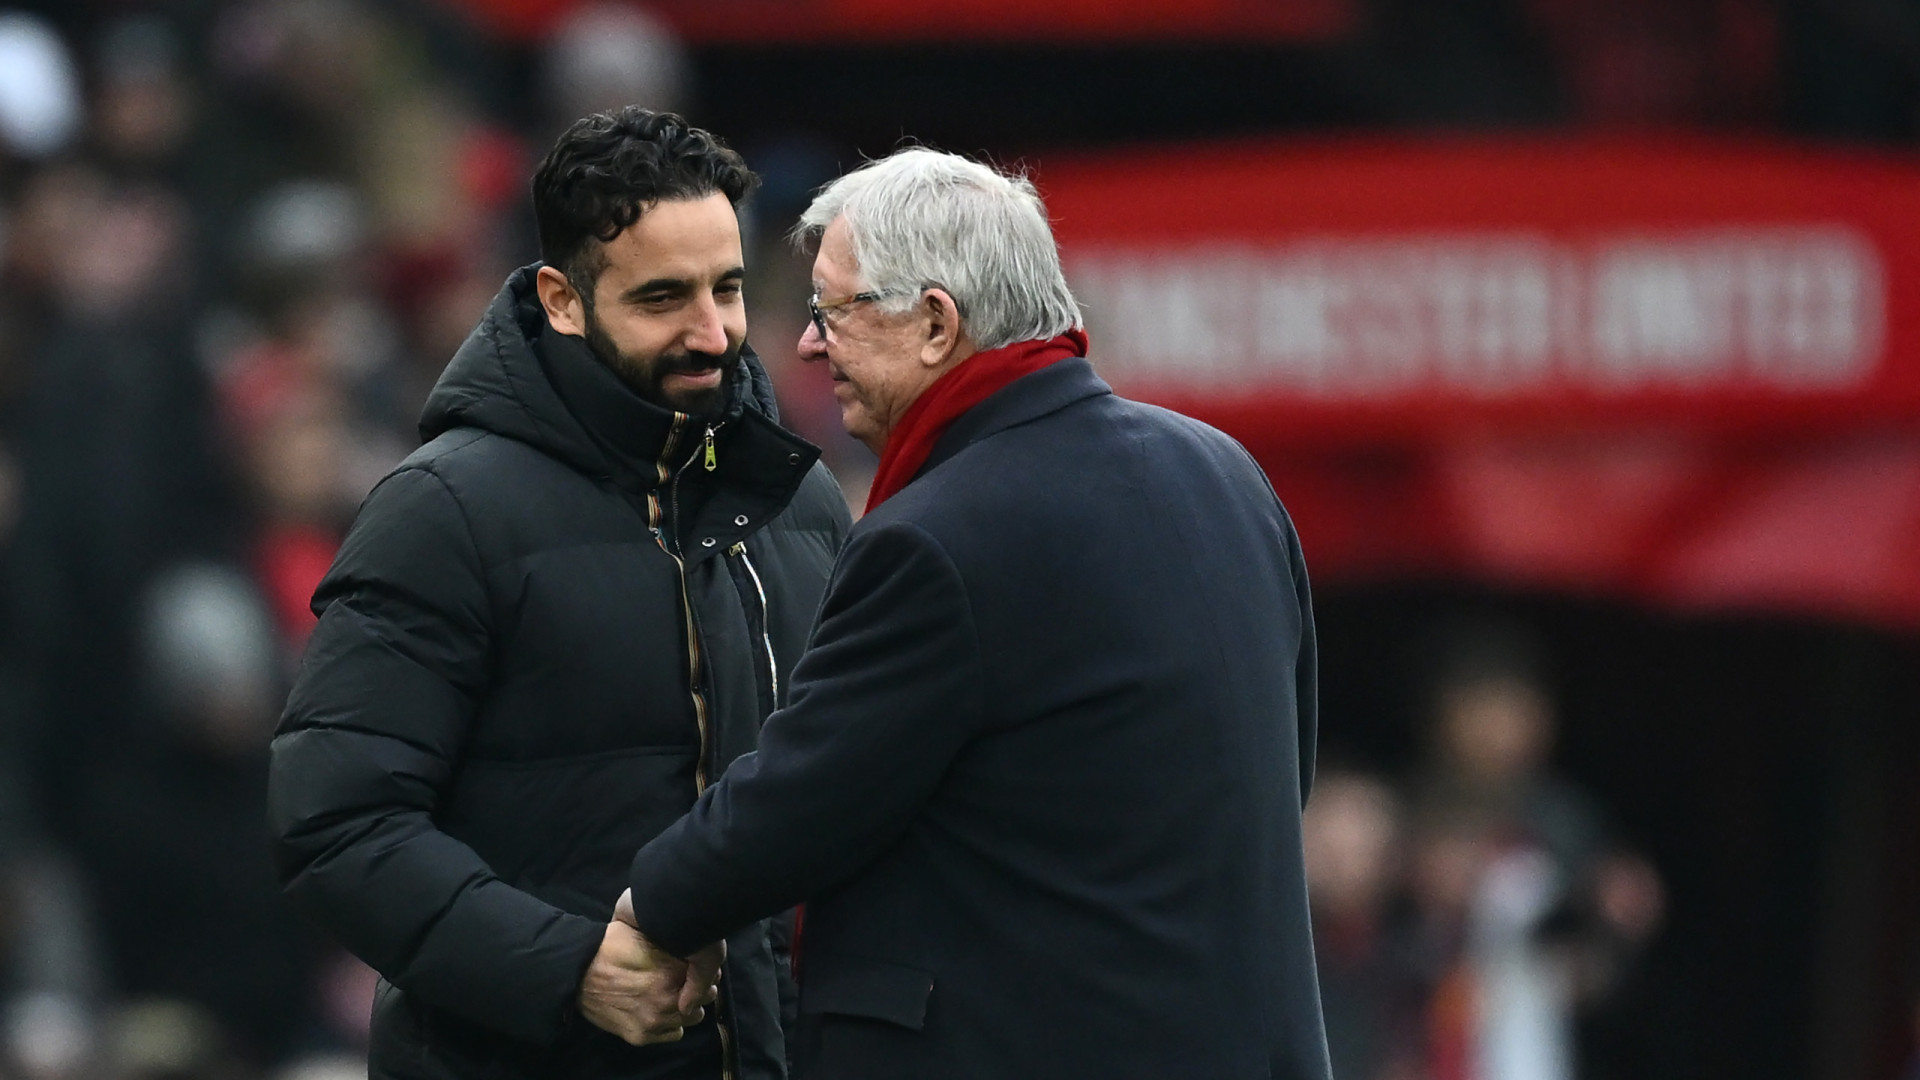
548 629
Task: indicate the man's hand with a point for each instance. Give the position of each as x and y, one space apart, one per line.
702 983
638 992
641 993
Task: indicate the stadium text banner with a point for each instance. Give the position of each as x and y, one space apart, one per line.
1353 289
1685 371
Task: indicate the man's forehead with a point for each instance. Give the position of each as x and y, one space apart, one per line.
678 238
834 263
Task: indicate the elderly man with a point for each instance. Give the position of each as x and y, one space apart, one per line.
1040 777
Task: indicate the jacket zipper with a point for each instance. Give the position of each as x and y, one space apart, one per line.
671 523
663 524
723 1006
766 630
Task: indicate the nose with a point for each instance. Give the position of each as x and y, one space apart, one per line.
708 334
812 345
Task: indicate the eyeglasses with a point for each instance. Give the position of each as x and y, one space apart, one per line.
818 311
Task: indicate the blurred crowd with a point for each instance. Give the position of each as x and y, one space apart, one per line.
1467 915
239 239
238 243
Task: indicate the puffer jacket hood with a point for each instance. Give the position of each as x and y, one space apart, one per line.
498 381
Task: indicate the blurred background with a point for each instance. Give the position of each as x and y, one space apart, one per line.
1581 338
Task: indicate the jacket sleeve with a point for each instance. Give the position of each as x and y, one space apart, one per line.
372 730
887 694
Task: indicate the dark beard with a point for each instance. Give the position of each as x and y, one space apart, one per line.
646 378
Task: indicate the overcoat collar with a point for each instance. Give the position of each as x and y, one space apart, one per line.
1022 401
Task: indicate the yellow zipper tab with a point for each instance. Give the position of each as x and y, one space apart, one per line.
713 460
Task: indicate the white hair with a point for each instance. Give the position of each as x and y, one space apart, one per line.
921 218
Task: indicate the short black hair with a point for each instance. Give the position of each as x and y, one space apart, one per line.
608 167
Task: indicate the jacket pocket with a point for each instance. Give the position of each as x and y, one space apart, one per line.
875 989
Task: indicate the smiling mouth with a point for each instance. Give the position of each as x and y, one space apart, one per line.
697 375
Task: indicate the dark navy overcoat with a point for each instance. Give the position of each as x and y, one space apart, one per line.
1039 780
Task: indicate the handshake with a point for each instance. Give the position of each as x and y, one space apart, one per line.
641 993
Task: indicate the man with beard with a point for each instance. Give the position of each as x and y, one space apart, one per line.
552 627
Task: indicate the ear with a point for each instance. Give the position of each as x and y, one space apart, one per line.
947 341
565 311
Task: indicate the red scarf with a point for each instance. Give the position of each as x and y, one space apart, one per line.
976 379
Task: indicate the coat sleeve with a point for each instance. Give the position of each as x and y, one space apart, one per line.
1306 670
887 694
1306 667
372 730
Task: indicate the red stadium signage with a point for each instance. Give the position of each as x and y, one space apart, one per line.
1690 371
883 21
1438 284
1499 316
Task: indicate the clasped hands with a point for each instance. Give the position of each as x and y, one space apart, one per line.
641 993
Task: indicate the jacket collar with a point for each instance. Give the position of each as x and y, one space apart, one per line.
643 442
757 464
517 378
1022 401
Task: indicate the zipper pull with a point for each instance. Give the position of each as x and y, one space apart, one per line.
713 460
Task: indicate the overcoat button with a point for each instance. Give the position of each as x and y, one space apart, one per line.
741 520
